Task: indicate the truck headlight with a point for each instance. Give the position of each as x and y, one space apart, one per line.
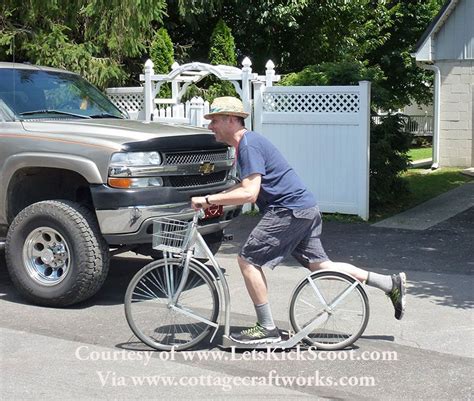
135 159
134 170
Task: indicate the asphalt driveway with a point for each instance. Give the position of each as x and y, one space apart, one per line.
87 351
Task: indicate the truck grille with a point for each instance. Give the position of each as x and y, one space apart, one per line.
190 181
195 157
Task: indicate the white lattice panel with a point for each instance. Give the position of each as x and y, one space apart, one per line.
311 102
127 101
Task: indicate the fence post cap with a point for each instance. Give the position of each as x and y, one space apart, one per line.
270 65
149 64
197 100
246 62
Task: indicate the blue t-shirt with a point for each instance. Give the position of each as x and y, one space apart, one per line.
281 186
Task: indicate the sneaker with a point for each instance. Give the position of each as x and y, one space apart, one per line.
256 335
398 294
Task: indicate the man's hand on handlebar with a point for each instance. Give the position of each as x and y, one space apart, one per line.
199 202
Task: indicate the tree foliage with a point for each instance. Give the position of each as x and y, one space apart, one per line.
295 34
404 81
389 144
108 41
221 52
100 39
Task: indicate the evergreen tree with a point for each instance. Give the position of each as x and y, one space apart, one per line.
161 52
162 55
221 52
222 49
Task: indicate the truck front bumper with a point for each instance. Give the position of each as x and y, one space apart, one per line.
126 216
134 225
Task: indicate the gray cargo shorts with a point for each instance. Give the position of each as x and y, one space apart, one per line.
282 232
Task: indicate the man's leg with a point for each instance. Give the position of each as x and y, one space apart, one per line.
393 286
356 272
256 283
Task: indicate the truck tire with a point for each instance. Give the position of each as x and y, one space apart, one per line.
55 253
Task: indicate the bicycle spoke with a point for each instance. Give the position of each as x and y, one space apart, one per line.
150 291
149 294
158 283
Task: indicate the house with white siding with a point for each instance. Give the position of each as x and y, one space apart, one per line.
447 49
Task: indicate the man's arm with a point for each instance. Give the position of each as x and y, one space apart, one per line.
245 192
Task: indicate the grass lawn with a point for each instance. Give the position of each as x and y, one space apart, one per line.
423 185
420 153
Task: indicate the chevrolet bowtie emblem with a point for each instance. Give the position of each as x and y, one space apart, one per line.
206 168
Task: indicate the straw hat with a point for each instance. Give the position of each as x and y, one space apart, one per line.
226 105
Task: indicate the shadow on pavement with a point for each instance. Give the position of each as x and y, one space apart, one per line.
441 292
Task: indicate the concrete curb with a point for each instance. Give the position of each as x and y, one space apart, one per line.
421 163
469 171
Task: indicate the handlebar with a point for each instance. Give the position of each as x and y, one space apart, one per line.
198 214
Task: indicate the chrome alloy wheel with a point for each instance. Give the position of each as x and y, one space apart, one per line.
46 256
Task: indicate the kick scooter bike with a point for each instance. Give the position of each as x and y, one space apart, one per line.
175 302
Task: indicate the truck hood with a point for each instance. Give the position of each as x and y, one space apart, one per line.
124 134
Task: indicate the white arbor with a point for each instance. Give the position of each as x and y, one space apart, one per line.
181 76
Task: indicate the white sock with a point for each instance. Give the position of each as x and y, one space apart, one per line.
381 281
264 316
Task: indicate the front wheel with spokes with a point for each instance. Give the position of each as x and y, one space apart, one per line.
339 295
161 323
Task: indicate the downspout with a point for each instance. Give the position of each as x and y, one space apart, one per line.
437 111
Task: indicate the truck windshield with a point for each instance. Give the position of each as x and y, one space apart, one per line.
34 94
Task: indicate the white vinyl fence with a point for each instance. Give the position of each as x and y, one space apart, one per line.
132 100
324 134
323 131
128 99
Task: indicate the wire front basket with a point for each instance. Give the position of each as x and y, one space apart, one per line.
170 235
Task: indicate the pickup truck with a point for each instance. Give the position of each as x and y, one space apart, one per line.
79 182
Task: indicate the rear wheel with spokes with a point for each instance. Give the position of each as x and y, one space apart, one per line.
160 324
342 297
